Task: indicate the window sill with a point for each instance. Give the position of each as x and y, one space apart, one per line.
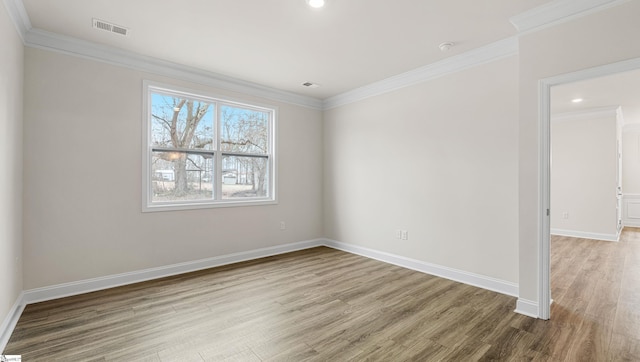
205 205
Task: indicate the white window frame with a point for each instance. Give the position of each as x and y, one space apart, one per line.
148 205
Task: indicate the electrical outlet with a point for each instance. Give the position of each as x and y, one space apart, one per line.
404 235
565 215
282 225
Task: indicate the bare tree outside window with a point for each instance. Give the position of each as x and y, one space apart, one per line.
244 135
206 151
178 126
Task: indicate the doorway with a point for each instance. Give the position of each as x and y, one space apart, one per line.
544 290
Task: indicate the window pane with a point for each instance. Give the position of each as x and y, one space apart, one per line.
244 130
244 177
181 122
177 176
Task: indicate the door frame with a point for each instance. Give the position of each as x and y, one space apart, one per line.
544 146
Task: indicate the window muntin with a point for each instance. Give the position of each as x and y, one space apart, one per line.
205 152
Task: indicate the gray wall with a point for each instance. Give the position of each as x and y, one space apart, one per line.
438 159
584 177
11 83
82 167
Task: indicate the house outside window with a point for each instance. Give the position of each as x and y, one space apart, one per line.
201 151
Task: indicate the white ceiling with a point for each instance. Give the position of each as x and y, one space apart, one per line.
284 43
622 89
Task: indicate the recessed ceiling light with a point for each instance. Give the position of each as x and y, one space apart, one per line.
577 100
316 4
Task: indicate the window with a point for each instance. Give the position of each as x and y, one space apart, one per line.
201 151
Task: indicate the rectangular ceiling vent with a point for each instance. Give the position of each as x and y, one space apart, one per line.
113 28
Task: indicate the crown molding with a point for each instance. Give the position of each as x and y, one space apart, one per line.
38 38
489 53
529 21
19 17
557 12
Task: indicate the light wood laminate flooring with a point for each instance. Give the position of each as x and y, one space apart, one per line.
326 305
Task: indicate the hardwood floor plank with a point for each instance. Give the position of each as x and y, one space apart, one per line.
624 348
326 305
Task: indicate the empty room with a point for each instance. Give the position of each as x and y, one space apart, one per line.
308 180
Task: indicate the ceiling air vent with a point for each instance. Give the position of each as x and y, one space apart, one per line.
113 28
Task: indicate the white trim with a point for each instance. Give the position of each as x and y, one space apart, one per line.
19 17
486 54
544 203
586 235
41 39
38 38
534 19
544 282
9 323
111 281
476 280
149 87
527 307
595 72
587 114
557 12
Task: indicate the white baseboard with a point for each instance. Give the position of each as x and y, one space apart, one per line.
586 235
9 323
476 280
527 307
111 281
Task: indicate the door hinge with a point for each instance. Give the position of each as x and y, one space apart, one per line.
548 212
